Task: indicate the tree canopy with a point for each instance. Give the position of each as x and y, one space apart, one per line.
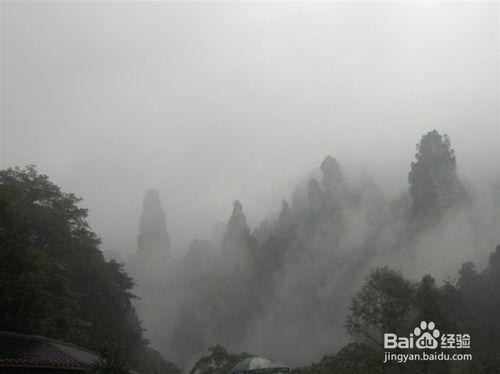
54 280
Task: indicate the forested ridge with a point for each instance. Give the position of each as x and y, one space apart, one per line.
284 289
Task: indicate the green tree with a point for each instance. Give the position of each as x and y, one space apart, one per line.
382 305
432 304
481 292
36 294
54 280
387 302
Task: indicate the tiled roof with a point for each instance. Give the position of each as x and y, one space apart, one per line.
39 351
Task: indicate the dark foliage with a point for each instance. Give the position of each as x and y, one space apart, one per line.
54 280
219 361
388 302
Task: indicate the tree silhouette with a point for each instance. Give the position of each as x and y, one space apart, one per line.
434 183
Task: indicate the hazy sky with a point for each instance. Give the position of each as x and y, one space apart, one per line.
208 102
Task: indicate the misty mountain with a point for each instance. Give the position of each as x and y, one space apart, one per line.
292 277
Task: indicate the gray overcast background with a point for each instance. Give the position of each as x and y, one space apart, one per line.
210 102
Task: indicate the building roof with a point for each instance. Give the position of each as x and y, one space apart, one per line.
17 350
